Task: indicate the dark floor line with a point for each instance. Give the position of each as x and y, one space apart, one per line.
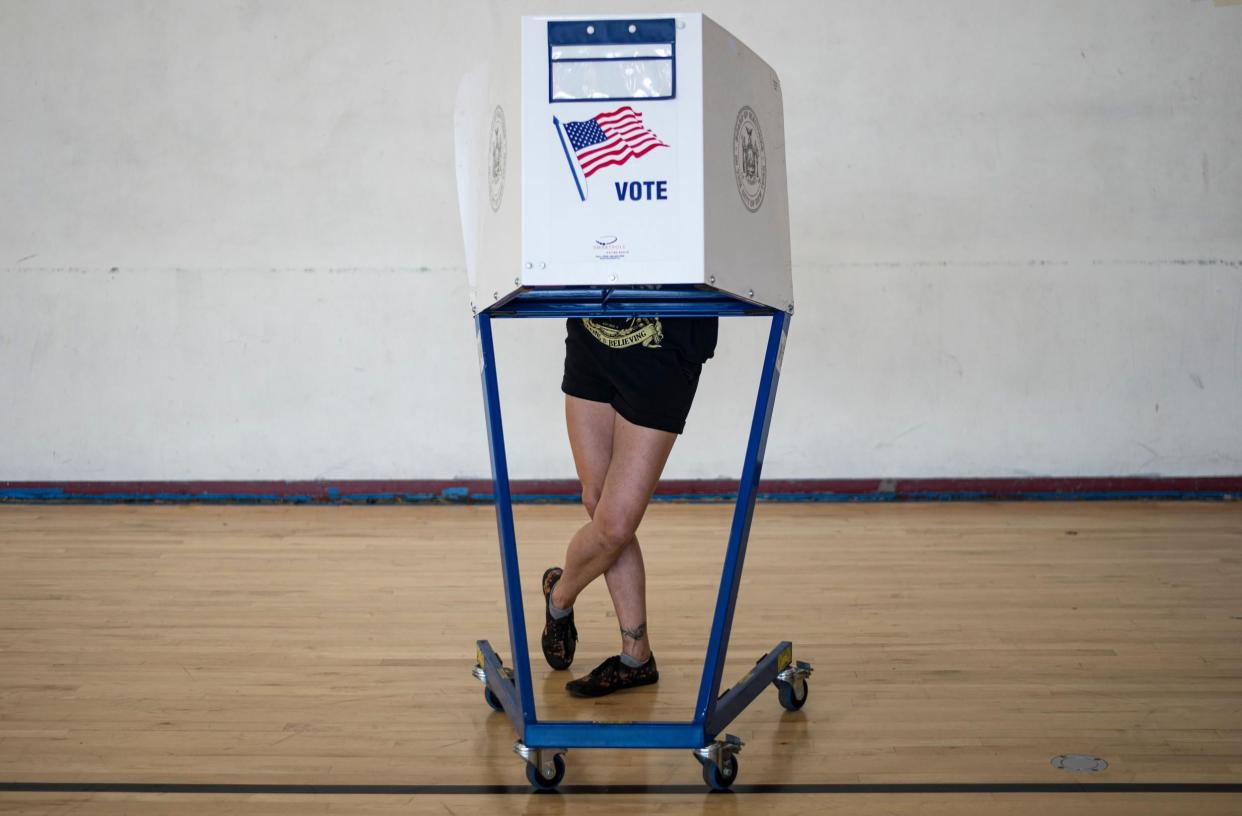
660 790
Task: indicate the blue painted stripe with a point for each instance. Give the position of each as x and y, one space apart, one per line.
464 496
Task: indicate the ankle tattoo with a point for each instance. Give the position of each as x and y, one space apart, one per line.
637 633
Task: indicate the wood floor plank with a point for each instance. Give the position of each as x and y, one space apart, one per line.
332 645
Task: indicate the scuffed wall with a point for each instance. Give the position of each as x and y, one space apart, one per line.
229 247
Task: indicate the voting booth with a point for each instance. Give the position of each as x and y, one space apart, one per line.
619 152
626 166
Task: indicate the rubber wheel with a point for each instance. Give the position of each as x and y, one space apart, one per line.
492 699
790 701
535 778
715 779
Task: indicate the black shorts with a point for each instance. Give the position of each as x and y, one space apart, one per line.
649 386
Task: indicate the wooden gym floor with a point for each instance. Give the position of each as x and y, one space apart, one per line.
300 646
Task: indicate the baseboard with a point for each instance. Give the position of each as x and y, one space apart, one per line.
403 491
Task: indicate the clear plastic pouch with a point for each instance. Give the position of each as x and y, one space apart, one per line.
611 60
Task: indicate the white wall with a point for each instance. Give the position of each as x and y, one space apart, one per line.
229 247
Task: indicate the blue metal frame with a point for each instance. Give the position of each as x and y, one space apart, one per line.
712 711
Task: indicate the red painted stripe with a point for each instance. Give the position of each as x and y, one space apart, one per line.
635 133
628 127
634 155
995 488
608 117
622 123
613 140
611 144
618 145
627 150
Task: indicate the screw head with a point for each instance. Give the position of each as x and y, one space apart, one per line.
712 279
517 281
495 296
543 265
612 277
791 308
750 293
529 264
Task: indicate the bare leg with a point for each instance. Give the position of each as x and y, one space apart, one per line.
590 426
627 583
615 491
638 458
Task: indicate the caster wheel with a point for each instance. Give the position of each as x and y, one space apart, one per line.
789 699
719 779
492 699
537 779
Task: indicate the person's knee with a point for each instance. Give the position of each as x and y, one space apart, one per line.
616 530
590 499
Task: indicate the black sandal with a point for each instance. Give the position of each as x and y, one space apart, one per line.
560 636
613 675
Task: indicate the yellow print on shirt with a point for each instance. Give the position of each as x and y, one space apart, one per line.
646 331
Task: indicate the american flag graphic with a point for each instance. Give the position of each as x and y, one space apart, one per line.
610 139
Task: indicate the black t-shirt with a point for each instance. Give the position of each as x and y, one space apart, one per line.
693 337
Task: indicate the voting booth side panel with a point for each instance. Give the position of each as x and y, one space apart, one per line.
745 187
489 143
469 159
612 162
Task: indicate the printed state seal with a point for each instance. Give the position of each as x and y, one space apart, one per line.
497 156
750 162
